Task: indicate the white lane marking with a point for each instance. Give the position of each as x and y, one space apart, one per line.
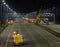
37 44
56 42
50 42
33 38
45 39
7 40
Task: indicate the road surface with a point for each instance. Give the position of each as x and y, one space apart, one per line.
34 36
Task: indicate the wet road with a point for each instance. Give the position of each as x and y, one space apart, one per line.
33 35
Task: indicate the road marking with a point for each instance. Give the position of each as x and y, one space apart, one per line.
36 43
33 38
52 44
56 42
7 40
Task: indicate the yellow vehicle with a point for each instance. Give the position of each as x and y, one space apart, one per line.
17 38
10 22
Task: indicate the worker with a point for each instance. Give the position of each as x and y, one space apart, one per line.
18 39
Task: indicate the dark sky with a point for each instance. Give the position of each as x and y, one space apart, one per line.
26 6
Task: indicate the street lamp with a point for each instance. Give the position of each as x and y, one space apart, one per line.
4 3
3 0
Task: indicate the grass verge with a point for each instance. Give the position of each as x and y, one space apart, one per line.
3 27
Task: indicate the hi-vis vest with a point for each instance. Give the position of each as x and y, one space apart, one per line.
18 39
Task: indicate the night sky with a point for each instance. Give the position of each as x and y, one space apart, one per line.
26 6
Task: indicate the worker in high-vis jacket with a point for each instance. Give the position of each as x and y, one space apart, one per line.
18 39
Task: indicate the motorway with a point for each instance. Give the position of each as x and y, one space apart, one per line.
34 36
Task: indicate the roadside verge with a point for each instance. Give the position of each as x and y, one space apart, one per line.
3 27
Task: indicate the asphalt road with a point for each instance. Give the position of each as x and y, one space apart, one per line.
34 36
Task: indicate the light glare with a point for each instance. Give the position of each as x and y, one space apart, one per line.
4 3
3 0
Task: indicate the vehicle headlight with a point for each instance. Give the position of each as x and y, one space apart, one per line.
11 21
